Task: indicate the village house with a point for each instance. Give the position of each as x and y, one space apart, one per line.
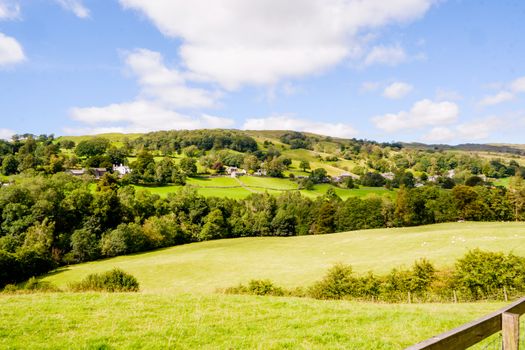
97 172
389 176
77 172
121 170
344 176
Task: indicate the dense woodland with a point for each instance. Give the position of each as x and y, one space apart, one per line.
50 218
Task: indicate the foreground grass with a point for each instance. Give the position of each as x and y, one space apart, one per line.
299 261
154 321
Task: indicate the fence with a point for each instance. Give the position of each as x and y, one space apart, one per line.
505 320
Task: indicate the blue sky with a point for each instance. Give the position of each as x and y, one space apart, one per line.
430 71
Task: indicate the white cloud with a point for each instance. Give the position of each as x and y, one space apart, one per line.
508 92
163 90
9 10
389 55
422 114
397 90
518 85
140 116
166 85
11 51
500 97
5 134
75 6
369 86
470 131
291 123
260 42
439 134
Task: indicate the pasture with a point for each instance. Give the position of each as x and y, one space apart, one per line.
225 186
203 267
162 321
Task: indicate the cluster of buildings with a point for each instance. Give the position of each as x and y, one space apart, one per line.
121 170
236 172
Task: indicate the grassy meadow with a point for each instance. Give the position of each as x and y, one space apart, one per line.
178 307
298 261
183 321
224 186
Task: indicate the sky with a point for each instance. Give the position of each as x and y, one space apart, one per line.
433 71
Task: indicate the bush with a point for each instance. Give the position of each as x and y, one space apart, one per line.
257 287
115 280
35 285
10 289
484 274
337 284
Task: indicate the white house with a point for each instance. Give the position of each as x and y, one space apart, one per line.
238 172
121 169
77 172
389 176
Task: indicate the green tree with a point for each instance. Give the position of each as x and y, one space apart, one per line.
305 165
9 165
516 195
214 226
92 147
84 245
188 166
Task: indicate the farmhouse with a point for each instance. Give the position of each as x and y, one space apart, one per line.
97 172
121 170
77 172
389 176
343 176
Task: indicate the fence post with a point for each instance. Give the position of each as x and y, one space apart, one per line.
510 326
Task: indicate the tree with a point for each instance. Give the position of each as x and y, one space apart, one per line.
164 171
516 195
214 226
9 165
318 175
372 180
93 147
286 162
250 163
274 167
304 165
188 166
84 245
67 144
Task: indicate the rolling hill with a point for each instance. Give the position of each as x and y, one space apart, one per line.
298 261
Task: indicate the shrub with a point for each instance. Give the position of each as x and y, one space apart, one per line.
257 287
482 274
35 285
337 284
115 280
10 289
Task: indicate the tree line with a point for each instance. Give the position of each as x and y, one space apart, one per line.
48 221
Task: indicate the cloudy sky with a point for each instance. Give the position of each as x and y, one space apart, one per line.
432 71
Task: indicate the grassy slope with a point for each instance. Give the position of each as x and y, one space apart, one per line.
137 321
298 261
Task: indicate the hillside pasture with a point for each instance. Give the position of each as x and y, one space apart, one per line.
162 321
298 261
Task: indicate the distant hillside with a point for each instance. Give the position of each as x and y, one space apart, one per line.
298 261
470 147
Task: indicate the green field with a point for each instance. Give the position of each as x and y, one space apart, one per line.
178 306
505 182
362 192
299 261
163 321
217 181
268 183
224 186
